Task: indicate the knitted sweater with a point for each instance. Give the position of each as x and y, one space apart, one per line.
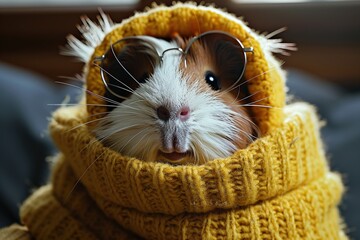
279 187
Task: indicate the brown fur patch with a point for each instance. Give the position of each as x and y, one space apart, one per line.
222 61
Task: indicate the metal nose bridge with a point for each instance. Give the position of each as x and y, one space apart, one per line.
171 49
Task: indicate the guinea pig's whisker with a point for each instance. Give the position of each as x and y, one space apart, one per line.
148 149
261 74
249 96
104 138
77 78
119 130
128 106
252 104
248 135
83 174
122 83
132 139
136 144
195 153
260 106
96 114
144 111
107 117
243 118
112 49
88 122
134 113
125 89
234 86
236 100
90 92
256 101
149 110
79 104
80 178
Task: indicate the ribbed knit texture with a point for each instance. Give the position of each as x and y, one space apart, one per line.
15 231
279 187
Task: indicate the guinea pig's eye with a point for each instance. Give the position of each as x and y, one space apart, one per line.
223 54
212 80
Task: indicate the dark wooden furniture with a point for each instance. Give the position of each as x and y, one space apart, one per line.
327 34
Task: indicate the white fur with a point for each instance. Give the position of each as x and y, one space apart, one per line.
134 129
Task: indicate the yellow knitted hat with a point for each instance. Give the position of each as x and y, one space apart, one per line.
279 187
263 72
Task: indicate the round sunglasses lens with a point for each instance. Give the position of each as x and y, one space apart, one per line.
126 64
223 57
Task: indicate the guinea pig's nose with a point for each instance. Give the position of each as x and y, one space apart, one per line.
184 113
164 114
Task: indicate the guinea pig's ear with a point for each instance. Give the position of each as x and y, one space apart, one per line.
126 65
179 40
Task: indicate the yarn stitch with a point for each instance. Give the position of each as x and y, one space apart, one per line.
279 187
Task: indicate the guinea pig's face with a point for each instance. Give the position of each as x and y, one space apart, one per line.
177 102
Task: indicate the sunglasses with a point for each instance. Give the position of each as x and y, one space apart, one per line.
131 60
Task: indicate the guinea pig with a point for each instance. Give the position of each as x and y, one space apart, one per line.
181 101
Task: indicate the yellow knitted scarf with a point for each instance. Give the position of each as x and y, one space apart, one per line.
279 187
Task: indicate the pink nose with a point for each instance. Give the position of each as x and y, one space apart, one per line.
184 113
164 114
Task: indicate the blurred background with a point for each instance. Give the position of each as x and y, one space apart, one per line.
324 71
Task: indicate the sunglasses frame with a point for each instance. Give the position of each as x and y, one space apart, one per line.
161 56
